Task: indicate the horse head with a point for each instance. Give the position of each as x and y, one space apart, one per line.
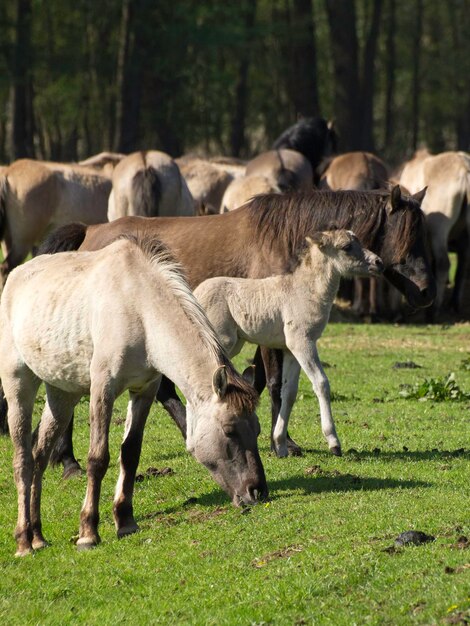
222 435
404 250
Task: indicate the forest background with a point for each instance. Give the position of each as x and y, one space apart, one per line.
213 77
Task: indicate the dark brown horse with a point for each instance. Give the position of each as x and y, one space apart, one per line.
263 238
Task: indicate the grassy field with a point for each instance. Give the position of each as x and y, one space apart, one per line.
317 552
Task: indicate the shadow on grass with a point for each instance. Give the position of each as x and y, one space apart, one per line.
390 455
306 485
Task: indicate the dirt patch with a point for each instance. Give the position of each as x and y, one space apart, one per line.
153 472
461 617
456 570
284 553
204 516
462 543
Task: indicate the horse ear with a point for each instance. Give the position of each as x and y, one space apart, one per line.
317 238
395 199
219 381
249 375
419 195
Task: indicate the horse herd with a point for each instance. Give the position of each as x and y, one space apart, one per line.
115 310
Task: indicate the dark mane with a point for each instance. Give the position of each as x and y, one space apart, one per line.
283 221
240 395
311 136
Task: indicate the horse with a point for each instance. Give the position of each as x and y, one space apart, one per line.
290 312
206 182
355 170
149 184
36 197
241 190
313 137
447 210
104 162
261 239
362 171
287 169
56 327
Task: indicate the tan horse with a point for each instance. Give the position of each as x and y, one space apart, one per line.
241 190
36 197
149 184
447 210
104 162
99 323
287 169
290 312
362 171
206 181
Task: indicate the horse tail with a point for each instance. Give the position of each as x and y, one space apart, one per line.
147 192
64 239
3 208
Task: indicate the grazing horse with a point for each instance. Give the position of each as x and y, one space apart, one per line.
56 327
149 184
261 239
447 210
287 169
36 197
313 137
290 312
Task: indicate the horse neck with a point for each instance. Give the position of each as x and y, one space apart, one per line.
318 277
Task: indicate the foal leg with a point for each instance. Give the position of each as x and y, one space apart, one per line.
290 385
63 453
273 366
307 356
167 395
101 406
55 417
137 412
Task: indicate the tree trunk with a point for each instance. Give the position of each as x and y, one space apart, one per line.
237 135
418 33
128 84
390 68
344 47
304 59
22 129
367 82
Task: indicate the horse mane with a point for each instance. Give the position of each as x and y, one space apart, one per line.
310 136
283 221
240 395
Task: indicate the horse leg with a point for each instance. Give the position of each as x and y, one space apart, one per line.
3 412
307 356
63 453
24 388
272 360
290 385
167 395
54 420
101 406
461 271
137 413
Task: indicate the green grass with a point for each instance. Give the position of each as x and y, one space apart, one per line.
315 553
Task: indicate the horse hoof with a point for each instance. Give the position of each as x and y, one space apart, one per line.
84 544
336 450
71 470
294 449
40 544
130 529
281 452
24 552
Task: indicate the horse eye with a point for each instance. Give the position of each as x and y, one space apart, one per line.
348 247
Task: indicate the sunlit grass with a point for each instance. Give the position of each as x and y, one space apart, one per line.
315 553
